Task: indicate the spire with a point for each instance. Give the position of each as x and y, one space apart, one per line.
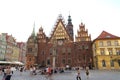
69 19
33 32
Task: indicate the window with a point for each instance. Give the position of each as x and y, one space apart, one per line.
83 47
116 43
103 63
69 61
110 51
101 43
117 52
69 50
119 63
69 53
86 47
108 43
48 62
112 63
29 49
102 51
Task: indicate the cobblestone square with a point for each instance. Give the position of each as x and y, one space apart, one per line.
69 75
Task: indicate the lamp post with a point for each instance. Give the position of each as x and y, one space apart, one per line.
54 54
54 57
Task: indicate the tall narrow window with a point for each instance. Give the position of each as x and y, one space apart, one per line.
112 63
103 63
48 62
102 51
110 51
117 52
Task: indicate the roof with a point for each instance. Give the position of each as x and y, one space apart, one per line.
106 35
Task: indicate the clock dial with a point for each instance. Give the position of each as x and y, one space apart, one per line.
60 42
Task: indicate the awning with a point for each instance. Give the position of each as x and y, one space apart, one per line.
5 62
11 62
17 62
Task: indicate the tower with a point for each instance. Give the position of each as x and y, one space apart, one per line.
69 27
31 53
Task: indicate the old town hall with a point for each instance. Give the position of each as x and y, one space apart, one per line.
62 48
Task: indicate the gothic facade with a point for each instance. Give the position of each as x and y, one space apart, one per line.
60 45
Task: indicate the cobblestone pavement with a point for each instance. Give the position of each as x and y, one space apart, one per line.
69 75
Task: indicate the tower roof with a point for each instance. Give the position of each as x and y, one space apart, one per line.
69 19
33 32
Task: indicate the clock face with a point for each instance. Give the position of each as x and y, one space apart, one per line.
60 42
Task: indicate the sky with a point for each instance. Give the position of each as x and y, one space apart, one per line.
17 17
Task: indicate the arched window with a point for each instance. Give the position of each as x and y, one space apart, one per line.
103 63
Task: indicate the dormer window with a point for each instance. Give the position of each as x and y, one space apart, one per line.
108 36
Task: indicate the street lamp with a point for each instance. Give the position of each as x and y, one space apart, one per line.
54 57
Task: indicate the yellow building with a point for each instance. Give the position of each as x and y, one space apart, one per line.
15 54
106 51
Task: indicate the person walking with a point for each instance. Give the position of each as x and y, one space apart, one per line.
87 73
8 73
78 77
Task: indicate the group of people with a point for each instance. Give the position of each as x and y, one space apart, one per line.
78 77
8 70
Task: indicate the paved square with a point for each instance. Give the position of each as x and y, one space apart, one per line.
69 75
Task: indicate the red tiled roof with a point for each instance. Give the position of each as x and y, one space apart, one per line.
106 35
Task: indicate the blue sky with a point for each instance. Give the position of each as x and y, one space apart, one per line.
17 17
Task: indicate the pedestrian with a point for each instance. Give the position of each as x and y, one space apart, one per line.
34 71
21 71
78 77
49 73
8 73
87 73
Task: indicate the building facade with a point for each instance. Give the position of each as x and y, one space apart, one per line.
60 49
22 51
3 46
10 50
106 51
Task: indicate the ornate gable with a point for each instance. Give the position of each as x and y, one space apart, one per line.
60 32
82 34
41 37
